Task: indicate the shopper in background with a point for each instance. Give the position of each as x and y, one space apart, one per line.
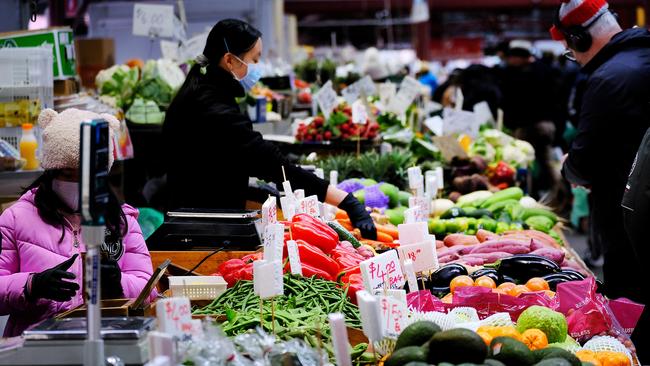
615 113
213 149
530 107
40 267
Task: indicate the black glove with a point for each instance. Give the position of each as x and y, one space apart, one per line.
359 216
50 283
111 279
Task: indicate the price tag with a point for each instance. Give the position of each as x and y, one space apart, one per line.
421 205
352 92
288 206
286 187
309 206
370 316
174 315
382 271
269 212
461 122
273 242
410 275
294 257
393 315
334 177
412 233
460 99
319 173
326 98
415 177
267 279
339 334
423 255
193 47
449 147
299 194
484 113
440 177
387 92
161 345
169 50
409 215
408 90
435 124
368 86
359 113
151 20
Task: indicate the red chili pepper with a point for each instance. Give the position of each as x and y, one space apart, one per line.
309 271
252 257
314 235
231 265
315 257
245 273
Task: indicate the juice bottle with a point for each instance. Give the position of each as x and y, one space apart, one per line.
28 146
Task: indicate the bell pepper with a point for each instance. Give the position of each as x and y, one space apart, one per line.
231 265
245 273
344 275
314 232
354 285
315 257
310 271
253 257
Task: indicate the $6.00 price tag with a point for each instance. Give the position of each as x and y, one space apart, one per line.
152 20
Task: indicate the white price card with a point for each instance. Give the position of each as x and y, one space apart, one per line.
310 206
319 173
421 205
408 90
152 20
370 315
269 212
435 124
174 315
267 279
359 113
383 271
169 50
393 315
461 122
286 187
193 47
294 257
440 177
423 255
387 92
484 113
326 98
340 339
368 87
273 242
412 233
334 177
299 194
410 215
352 92
288 208
410 275
414 177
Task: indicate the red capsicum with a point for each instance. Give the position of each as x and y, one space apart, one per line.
314 232
310 271
315 257
354 285
246 273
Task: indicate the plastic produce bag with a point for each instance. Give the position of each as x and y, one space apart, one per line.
488 303
627 312
423 301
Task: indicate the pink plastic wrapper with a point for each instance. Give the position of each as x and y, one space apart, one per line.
488 303
423 301
627 312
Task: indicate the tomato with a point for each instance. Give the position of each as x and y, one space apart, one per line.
485 281
537 284
518 290
461 281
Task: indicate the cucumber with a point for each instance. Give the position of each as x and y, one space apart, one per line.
512 193
497 207
344 234
530 212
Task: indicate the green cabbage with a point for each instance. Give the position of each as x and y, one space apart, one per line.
118 81
160 81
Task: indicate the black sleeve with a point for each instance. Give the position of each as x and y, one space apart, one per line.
582 163
262 159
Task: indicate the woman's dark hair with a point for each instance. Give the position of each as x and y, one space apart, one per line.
51 208
228 36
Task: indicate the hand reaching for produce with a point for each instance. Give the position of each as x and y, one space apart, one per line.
359 217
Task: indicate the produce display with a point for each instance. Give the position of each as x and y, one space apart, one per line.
338 126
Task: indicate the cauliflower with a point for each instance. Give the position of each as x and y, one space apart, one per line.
552 323
483 149
527 149
496 137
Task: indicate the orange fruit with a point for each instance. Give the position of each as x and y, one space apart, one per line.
535 339
586 355
518 290
506 332
448 299
461 281
500 291
537 284
609 358
507 286
487 337
485 281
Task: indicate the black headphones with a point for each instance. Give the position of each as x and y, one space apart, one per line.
577 37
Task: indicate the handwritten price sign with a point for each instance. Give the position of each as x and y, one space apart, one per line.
326 98
269 212
153 20
310 206
175 316
393 315
421 204
273 242
382 271
423 255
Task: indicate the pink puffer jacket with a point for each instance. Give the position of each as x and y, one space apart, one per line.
29 245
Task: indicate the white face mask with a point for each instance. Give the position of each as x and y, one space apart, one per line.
68 192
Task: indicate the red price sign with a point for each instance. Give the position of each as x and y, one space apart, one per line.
393 315
383 271
310 206
175 315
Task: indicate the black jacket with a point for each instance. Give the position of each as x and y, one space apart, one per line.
212 149
614 116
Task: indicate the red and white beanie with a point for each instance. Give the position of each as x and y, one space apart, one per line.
578 12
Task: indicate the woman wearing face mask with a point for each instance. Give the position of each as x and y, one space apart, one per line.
40 265
212 148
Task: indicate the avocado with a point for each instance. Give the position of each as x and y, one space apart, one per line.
417 363
491 362
417 334
554 352
396 215
405 355
404 198
360 195
457 346
511 352
553 361
392 192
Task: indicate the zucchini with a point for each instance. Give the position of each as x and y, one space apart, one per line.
344 234
497 207
478 213
512 193
452 213
527 213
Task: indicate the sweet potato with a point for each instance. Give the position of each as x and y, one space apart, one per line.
452 240
462 249
536 244
484 235
500 245
556 255
489 257
543 237
448 258
470 261
440 244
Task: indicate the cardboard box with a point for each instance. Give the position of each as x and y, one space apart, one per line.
62 47
93 55
65 87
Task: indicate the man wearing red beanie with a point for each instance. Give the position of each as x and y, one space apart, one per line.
614 117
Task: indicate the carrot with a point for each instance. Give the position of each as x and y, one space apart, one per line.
346 223
342 215
383 237
388 229
378 244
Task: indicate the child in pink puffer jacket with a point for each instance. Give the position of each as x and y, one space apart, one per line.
40 265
